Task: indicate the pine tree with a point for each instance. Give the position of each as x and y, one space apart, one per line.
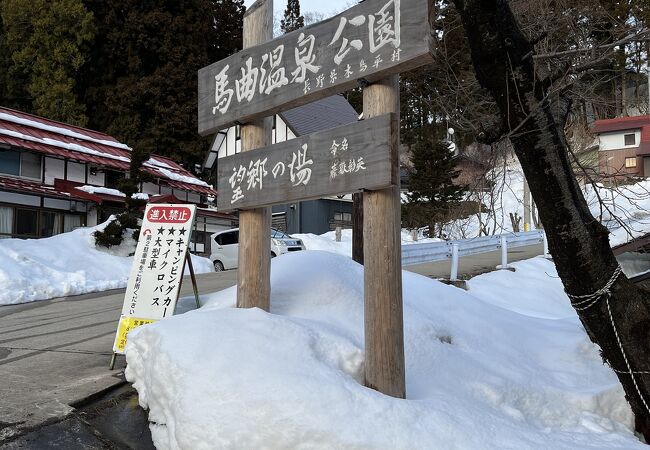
292 18
47 43
140 85
432 192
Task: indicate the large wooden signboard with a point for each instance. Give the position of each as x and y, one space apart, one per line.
158 265
369 41
337 161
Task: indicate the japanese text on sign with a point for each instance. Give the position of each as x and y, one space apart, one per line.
340 160
368 39
158 264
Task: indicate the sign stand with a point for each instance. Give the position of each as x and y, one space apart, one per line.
195 287
157 272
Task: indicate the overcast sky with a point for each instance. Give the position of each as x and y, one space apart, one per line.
327 7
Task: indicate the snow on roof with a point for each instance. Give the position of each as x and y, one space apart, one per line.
62 130
18 129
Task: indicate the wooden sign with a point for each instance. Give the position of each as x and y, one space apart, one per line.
336 161
369 41
157 270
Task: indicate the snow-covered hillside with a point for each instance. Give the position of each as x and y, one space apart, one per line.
506 365
623 209
66 264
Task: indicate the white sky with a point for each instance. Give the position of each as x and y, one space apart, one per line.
328 7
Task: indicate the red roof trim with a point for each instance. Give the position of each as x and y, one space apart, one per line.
23 186
621 123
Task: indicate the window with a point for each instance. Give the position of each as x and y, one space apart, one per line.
630 162
71 221
31 165
630 139
50 223
345 217
228 238
10 162
6 220
22 164
112 178
26 222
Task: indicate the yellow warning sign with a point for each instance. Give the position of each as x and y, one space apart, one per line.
127 324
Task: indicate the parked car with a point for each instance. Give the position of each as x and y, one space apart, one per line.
225 247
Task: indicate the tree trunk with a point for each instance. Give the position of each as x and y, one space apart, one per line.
579 244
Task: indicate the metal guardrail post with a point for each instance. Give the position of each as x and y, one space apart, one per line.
504 253
453 276
546 255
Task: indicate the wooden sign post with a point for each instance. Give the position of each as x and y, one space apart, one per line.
369 44
254 273
382 228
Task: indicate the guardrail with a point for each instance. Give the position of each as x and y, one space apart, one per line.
441 251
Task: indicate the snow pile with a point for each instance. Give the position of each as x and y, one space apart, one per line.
623 209
66 264
327 241
484 368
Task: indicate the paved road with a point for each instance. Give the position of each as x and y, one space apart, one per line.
54 353
476 264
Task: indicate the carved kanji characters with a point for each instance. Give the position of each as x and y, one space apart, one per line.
256 173
347 45
298 170
384 26
222 95
247 84
305 58
273 77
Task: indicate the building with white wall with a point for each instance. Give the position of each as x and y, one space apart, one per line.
55 177
623 146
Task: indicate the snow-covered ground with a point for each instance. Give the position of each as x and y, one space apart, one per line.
506 365
66 264
327 241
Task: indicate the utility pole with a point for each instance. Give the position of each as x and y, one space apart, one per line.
527 214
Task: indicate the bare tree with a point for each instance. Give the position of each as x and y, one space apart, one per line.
533 112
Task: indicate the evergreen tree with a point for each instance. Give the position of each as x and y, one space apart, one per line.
432 192
140 84
46 42
292 19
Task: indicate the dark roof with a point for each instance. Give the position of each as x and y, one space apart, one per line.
320 115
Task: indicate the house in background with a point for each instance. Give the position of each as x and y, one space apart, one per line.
624 147
313 216
55 177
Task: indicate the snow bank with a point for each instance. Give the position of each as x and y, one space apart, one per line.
485 368
327 241
66 264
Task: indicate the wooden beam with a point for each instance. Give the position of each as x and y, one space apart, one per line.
254 273
384 333
370 41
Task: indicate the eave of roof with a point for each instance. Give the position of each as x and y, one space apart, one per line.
620 124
